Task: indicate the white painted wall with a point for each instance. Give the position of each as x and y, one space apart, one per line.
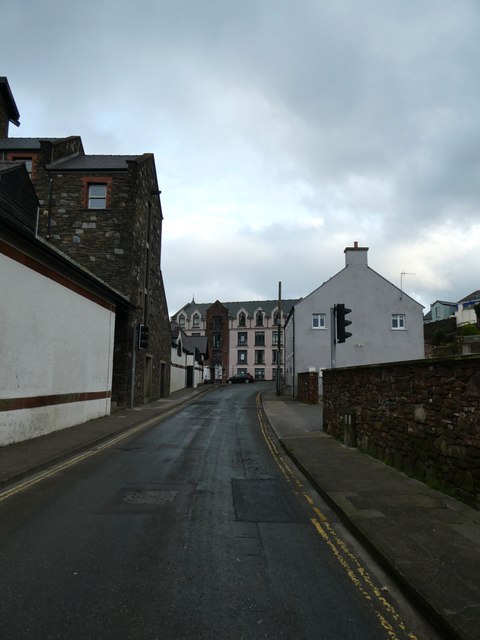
372 300
178 372
53 341
465 315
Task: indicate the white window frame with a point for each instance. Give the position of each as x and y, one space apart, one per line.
97 200
319 321
398 322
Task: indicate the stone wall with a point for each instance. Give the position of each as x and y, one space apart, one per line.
422 416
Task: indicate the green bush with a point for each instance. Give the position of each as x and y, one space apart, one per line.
469 330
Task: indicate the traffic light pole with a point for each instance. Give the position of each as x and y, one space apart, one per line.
134 357
333 339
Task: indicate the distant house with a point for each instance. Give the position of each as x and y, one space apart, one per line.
57 325
387 324
104 211
440 310
242 336
188 357
465 313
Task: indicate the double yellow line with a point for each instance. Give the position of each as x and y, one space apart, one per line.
75 459
385 612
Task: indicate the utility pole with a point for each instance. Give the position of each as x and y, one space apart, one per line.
279 337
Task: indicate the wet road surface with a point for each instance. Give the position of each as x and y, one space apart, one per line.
194 529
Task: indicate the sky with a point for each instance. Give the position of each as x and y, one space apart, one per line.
283 131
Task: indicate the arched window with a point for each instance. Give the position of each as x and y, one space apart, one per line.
241 319
276 318
259 319
196 321
181 320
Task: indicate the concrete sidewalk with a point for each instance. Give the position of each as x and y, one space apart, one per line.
429 541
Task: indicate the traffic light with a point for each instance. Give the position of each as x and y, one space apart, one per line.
142 336
341 323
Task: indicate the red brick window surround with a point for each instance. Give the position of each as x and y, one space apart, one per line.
93 197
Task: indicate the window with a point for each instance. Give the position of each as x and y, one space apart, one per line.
217 341
275 339
217 323
196 321
97 196
259 319
259 338
259 357
259 374
241 371
181 320
96 192
241 320
318 321
242 338
276 318
398 321
276 359
241 357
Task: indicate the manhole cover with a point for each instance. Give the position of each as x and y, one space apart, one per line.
149 496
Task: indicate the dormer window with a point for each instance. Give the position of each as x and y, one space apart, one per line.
196 321
259 319
241 319
181 320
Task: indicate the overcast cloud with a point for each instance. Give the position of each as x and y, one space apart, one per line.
283 131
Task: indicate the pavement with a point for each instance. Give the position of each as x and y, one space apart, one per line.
428 541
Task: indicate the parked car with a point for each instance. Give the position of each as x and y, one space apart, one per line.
241 377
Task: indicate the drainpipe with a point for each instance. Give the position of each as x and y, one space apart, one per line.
37 222
49 209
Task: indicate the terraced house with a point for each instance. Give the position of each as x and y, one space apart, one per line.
242 336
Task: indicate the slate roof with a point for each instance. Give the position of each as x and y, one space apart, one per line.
475 295
196 343
94 162
26 143
249 306
18 199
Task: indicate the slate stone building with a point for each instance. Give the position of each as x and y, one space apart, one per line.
105 212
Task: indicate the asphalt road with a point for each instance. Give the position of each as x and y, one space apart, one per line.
196 528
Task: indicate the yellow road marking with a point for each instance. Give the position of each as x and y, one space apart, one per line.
385 612
56 468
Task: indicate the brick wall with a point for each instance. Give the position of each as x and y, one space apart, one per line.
423 417
308 387
218 355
